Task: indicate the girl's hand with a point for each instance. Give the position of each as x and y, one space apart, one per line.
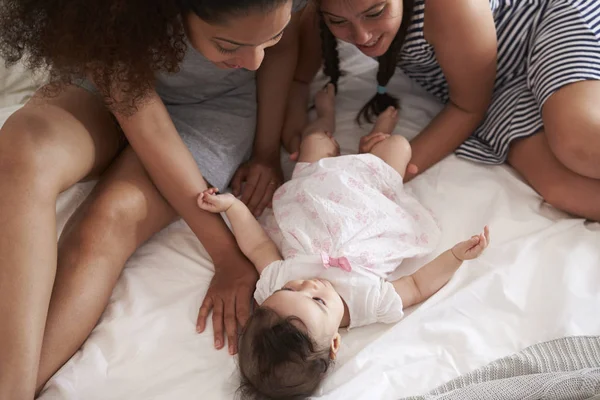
262 178
472 248
369 141
210 201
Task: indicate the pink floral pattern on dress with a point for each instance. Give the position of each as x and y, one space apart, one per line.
389 193
301 197
285 214
361 217
356 184
335 197
279 193
321 176
423 239
335 229
290 253
321 244
355 208
373 168
365 260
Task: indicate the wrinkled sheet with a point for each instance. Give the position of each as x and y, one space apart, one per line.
538 281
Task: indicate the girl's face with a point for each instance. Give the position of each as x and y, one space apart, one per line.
370 25
241 41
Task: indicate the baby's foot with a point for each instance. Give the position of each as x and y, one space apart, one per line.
325 105
325 102
386 122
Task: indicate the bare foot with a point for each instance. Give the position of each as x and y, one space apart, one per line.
325 105
386 122
325 101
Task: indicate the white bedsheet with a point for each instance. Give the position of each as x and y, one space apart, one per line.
539 280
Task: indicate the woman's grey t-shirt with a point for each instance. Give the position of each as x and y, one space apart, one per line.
214 111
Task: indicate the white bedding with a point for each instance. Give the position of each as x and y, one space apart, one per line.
539 280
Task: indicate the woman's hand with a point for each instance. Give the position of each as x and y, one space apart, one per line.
229 297
261 178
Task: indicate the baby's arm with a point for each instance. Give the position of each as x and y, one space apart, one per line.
250 236
426 281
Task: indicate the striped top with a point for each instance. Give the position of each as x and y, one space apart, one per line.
517 22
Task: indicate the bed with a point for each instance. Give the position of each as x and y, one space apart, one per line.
539 281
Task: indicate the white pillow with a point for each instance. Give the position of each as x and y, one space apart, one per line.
17 84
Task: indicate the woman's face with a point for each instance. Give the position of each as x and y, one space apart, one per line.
240 42
370 25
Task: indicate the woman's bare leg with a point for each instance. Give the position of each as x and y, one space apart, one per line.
46 147
558 185
123 211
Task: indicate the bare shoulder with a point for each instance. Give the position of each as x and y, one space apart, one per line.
443 17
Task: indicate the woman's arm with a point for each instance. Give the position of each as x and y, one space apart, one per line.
309 62
262 174
174 171
463 35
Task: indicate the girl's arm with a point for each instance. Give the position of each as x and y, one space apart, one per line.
273 80
426 281
463 35
251 237
175 173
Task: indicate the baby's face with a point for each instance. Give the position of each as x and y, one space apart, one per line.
315 302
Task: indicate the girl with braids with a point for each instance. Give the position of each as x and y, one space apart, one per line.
520 80
183 104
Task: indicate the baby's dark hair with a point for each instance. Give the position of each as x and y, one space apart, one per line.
387 64
115 43
278 359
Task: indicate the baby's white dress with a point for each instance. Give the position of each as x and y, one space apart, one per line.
349 220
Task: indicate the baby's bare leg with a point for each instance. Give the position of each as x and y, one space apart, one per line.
317 138
316 146
395 150
325 106
386 122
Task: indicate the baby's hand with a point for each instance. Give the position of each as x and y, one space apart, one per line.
472 248
209 200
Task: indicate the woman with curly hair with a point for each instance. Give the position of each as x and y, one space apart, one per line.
161 99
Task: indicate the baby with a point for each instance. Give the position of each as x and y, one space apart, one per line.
347 223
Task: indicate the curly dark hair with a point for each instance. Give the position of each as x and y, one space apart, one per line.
115 43
387 64
278 359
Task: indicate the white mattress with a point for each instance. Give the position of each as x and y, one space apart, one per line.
539 280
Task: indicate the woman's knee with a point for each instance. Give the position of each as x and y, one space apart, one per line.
28 152
125 207
572 126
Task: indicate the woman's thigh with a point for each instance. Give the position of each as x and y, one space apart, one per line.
60 140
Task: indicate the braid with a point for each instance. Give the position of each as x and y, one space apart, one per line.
331 57
387 67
